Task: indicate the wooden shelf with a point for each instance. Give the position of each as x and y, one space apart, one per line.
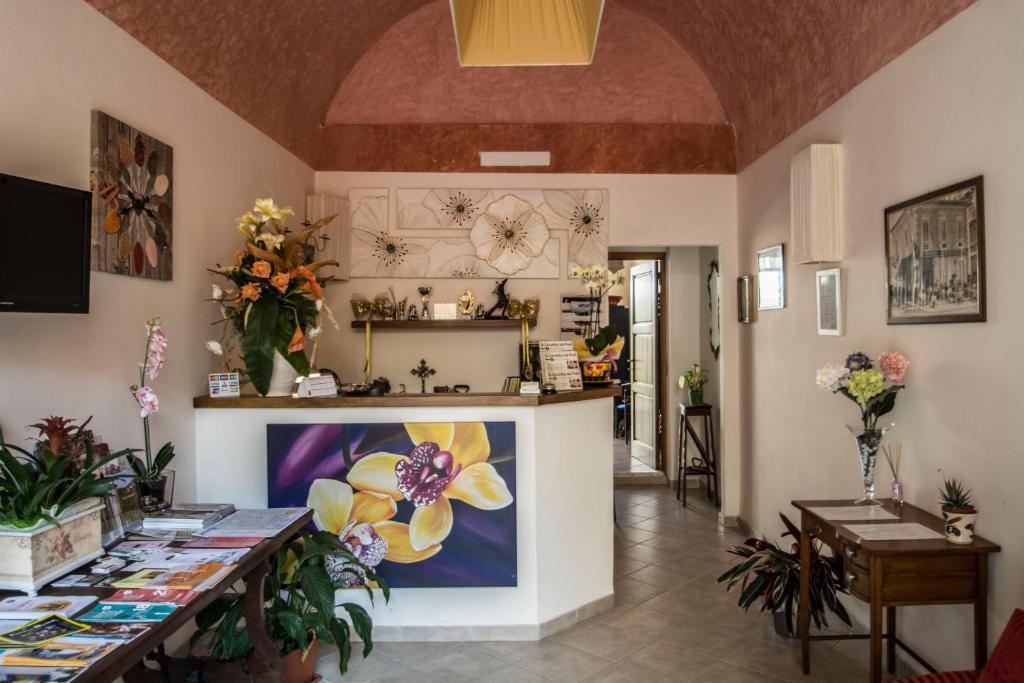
438 324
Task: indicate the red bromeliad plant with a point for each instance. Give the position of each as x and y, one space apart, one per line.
772 575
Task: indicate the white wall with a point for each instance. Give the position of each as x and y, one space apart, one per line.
707 357
58 60
682 280
646 211
948 109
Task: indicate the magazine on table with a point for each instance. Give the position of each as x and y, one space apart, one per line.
193 516
223 542
184 577
175 558
72 651
173 596
31 674
114 630
40 631
21 607
129 612
265 523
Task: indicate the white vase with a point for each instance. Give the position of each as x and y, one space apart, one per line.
959 525
282 378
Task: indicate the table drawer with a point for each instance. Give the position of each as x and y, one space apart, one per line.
928 579
853 554
857 580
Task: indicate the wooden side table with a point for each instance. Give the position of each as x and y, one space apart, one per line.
706 464
891 574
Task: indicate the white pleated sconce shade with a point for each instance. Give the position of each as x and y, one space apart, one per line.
815 204
526 32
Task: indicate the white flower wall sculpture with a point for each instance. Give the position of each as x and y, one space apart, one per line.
509 234
458 208
584 214
378 253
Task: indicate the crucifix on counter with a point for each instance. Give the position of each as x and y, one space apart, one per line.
423 372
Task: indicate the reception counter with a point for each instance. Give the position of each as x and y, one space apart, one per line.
554 452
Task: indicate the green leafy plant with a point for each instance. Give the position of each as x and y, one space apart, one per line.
299 605
695 378
955 496
41 486
771 574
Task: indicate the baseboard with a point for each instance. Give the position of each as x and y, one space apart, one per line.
384 633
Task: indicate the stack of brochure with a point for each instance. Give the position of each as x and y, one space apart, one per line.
189 516
20 607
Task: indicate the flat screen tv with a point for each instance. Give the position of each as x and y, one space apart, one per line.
44 247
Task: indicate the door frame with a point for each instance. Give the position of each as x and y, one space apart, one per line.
661 313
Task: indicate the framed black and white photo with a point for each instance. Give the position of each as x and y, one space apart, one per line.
935 256
745 290
830 302
771 278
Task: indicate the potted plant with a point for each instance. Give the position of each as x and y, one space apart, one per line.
958 513
150 472
273 305
299 607
692 381
598 347
771 574
874 391
50 507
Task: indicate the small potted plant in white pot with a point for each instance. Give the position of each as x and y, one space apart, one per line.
958 514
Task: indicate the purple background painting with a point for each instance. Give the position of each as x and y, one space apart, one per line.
480 551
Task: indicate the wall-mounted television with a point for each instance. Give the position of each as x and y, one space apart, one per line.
44 247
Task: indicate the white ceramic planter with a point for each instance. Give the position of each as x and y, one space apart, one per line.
31 559
282 379
959 525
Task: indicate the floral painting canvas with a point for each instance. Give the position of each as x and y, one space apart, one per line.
132 212
425 505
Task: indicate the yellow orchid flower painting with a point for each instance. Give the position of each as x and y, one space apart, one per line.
420 504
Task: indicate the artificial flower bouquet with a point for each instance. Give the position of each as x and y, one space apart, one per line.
599 347
872 388
274 300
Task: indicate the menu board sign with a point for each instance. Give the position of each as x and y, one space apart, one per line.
559 365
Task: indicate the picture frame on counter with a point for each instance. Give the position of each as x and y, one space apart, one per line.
829 284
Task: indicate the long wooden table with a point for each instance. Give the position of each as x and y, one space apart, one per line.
891 574
264 662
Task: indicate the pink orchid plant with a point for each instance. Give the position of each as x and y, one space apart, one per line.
152 363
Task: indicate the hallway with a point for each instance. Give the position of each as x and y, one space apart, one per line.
671 621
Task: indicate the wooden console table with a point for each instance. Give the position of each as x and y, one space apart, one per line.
891 574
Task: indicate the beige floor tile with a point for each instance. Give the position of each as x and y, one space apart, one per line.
626 672
624 566
510 651
767 658
643 621
628 590
372 669
723 672
412 652
662 577
665 659
607 641
510 674
634 534
460 664
557 662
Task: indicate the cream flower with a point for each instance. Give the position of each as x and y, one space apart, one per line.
457 208
584 213
214 347
449 462
269 241
266 209
378 253
509 235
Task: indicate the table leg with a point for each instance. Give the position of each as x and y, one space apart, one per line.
981 615
265 657
890 644
876 622
805 595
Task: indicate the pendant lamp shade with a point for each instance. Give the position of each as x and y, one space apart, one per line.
526 32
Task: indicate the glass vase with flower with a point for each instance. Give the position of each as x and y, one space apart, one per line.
156 482
874 391
598 347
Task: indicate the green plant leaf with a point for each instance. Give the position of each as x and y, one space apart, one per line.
292 624
259 340
362 624
317 587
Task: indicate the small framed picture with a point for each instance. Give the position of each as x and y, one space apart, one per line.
771 278
935 256
745 290
830 302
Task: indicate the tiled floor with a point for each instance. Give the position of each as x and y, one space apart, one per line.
671 621
625 463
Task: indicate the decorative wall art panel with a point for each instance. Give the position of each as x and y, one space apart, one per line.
425 505
132 210
478 233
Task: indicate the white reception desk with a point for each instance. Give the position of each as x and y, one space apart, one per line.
563 502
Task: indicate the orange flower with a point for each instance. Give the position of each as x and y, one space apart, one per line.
239 255
261 269
280 281
298 341
251 291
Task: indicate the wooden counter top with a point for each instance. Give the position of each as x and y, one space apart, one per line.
407 400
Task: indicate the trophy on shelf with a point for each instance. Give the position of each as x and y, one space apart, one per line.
424 291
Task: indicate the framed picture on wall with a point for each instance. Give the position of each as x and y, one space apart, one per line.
745 289
935 256
830 302
771 278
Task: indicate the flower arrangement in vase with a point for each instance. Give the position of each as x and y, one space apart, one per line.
692 381
150 472
958 511
598 347
273 305
874 391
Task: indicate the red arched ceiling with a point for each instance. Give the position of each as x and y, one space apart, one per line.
774 66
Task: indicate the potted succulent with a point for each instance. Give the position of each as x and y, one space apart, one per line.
598 347
958 513
272 306
771 574
299 607
50 507
150 471
692 381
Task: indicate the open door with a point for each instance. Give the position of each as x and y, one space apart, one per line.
643 330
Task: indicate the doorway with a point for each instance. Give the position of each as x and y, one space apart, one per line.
635 309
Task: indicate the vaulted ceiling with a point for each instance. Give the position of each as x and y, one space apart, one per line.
676 86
